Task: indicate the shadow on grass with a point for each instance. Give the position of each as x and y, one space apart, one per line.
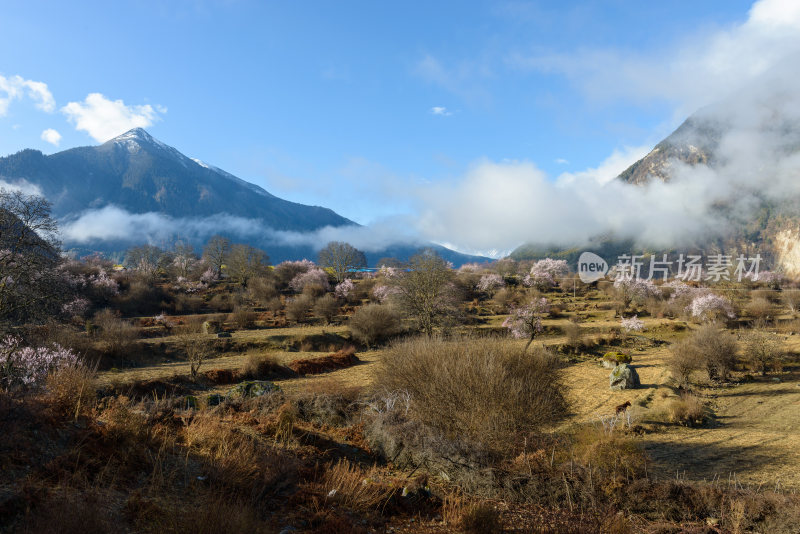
707 460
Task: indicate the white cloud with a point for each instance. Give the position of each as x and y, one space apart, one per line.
440 110
104 119
689 73
562 161
51 136
755 135
610 168
115 223
21 185
15 87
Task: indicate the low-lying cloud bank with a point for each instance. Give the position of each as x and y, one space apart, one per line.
112 223
755 139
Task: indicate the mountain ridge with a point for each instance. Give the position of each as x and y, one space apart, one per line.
138 174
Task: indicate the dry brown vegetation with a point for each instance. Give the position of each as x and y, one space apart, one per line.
460 431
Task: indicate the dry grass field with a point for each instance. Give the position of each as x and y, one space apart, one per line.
170 433
753 435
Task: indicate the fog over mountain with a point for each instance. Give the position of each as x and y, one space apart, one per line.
134 189
730 172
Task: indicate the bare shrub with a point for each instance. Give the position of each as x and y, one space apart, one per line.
374 323
684 361
187 303
481 389
263 367
116 334
507 298
243 318
274 305
194 323
344 484
142 298
713 348
657 307
611 456
480 518
297 308
326 308
762 350
760 309
71 390
791 298
195 348
314 290
223 302
574 335
689 410
261 290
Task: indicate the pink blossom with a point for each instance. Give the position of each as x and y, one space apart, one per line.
767 277
470 268
343 289
544 272
489 282
76 308
388 272
636 288
189 287
313 276
104 283
381 292
679 289
710 306
28 366
632 324
526 321
208 276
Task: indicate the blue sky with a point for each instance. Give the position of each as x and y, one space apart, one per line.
352 104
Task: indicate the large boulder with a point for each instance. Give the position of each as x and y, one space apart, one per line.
612 359
624 377
252 388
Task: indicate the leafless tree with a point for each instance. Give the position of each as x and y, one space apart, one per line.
341 258
762 349
183 258
245 262
426 292
196 349
31 285
145 260
216 252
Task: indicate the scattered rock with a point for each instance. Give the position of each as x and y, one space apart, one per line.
252 388
624 377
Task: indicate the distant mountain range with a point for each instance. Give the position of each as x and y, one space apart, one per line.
137 173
